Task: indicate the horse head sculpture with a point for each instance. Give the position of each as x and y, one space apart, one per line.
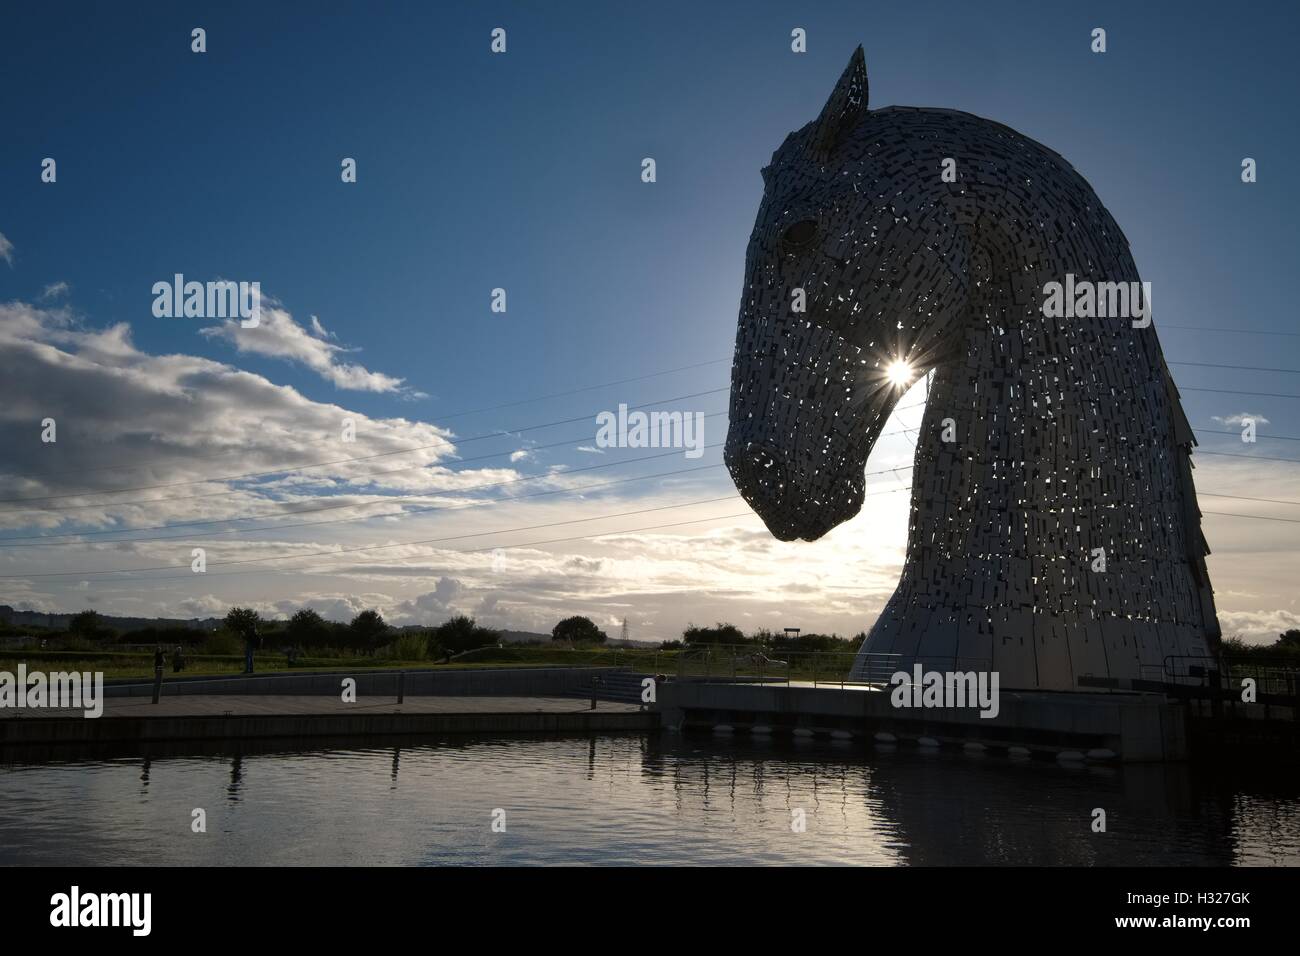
1054 533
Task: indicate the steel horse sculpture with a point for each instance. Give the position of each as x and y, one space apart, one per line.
1054 532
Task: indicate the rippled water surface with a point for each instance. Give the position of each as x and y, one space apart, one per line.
628 799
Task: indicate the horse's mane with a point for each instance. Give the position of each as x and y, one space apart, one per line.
1003 142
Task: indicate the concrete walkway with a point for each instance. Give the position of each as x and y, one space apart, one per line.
267 705
240 717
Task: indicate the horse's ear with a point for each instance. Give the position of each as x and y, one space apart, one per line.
847 105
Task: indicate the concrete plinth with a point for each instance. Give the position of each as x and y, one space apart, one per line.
1133 727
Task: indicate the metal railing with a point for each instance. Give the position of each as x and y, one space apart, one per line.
1221 679
1272 675
748 663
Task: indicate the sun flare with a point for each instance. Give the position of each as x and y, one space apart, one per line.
899 373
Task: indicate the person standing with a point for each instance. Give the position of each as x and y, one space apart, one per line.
158 660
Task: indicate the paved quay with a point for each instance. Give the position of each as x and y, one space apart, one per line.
227 717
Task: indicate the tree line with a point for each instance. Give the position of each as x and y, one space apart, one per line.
722 633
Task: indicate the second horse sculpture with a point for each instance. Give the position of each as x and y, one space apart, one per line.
1054 532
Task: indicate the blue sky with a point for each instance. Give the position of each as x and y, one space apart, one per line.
521 171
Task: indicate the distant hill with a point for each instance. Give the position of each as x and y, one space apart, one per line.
60 621
523 637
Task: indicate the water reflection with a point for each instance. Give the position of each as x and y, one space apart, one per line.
628 799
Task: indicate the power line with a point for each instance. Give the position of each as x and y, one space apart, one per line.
382 499
343 461
1243 368
445 443
510 547
1275 501
44 540
372 547
426 541
511 431
1235 391
519 545
328 438
1206 328
575 391
387 514
1216 431
369 475
1226 514
1237 454
588 388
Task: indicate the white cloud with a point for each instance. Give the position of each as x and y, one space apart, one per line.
209 605
432 607
168 419
6 250
1240 419
54 290
277 335
1258 627
319 330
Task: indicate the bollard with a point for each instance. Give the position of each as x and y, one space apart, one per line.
401 686
594 682
157 683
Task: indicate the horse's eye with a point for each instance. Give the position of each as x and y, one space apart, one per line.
801 234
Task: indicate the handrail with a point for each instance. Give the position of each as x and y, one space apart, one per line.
750 662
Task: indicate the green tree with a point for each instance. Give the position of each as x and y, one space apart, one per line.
369 630
88 625
308 629
578 630
244 623
463 633
718 634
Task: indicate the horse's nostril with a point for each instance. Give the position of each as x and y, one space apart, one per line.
757 470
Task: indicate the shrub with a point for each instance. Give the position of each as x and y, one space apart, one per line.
409 646
222 643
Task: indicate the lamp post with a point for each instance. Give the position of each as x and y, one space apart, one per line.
791 636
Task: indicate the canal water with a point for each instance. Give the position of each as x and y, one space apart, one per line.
628 799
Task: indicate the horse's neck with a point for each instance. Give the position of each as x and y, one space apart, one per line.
1062 445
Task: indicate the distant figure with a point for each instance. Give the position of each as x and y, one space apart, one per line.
293 656
158 660
178 660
